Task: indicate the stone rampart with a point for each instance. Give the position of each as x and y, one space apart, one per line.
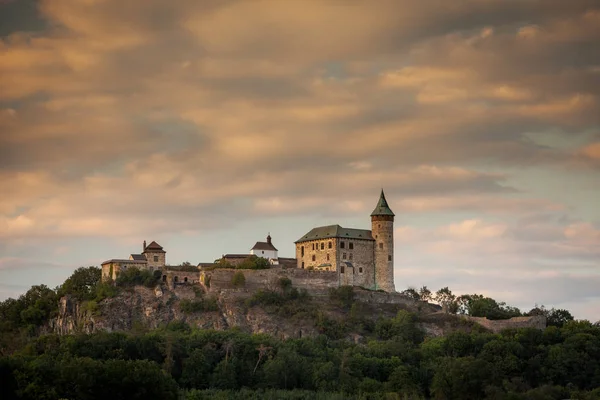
536 321
316 282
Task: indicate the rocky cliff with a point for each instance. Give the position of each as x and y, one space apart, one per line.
141 308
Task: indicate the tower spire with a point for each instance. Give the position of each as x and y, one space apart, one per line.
382 207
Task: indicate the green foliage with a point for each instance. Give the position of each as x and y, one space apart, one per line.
287 304
82 283
199 305
477 305
135 276
238 279
185 267
519 364
342 296
252 262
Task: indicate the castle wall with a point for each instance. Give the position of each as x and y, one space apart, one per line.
161 259
361 258
383 232
536 321
316 282
313 248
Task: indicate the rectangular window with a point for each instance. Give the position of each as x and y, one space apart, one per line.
343 256
322 246
327 256
155 258
329 244
351 246
313 246
390 257
342 245
302 251
314 257
342 269
350 256
302 264
381 246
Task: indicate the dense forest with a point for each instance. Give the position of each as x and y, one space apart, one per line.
395 361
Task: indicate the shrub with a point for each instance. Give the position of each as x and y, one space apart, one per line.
191 306
238 279
342 296
135 276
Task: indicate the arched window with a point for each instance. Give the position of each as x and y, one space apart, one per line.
327 256
185 279
330 245
360 271
322 246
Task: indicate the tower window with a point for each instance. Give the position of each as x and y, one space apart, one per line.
381 246
342 245
302 251
342 269
351 246
313 246
343 256
314 258
155 258
389 257
327 256
360 270
350 256
322 246
329 244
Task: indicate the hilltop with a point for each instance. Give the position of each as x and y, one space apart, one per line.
223 337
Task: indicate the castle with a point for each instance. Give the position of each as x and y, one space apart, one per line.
355 257
360 257
152 258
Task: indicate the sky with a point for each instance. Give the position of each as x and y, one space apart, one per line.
206 125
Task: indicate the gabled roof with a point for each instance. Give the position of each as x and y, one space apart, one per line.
138 257
264 246
116 260
154 248
237 255
382 207
336 231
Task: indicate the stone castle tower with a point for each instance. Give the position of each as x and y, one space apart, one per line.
382 228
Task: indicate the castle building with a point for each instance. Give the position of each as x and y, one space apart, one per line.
152 258
265 249
260 249
360 257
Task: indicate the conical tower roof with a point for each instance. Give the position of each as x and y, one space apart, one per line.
382 207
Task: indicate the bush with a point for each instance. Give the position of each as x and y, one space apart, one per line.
191 306
342 296
135 276
238 279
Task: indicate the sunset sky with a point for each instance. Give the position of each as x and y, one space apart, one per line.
205 125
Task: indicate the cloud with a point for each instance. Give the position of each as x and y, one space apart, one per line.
158 118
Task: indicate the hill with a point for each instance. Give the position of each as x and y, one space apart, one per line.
145 338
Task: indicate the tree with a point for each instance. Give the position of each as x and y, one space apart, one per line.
82 283
425 294
238 280
447 300
412 294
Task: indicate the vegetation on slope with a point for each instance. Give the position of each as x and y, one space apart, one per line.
394 361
